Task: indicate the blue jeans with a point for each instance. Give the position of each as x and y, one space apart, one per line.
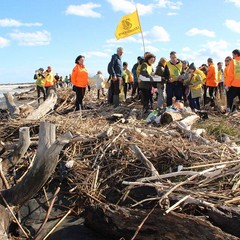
194 103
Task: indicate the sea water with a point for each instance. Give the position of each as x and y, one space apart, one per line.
12 88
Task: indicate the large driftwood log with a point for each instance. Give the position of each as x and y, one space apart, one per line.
12 107
42 168
168 117
116 223
44 108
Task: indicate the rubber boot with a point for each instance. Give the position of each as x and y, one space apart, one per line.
116 100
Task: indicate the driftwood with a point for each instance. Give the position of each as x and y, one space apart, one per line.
121 223
168 117
194 135
44 108
43 167
12 107
22 146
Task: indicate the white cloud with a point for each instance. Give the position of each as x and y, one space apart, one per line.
157 34
196 31
233 25
127 6
84 10
96 54
218 50
236 2
169 4
4 42
32 38
8 22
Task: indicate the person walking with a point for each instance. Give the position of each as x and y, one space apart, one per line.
40 83
79 79
232 83
99 79
49 80
115 71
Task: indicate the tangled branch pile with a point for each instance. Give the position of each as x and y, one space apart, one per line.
126 162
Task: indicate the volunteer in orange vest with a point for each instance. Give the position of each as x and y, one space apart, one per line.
211 83
79 79
49 80
232 83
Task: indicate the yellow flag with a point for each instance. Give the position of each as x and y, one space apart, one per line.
128 25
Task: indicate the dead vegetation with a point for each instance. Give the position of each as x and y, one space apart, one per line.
116 159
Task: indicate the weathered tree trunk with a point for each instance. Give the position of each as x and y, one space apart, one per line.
12 107
116 222
43 167
44 108
22 146
168 117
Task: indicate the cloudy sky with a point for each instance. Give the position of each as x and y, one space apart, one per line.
39 33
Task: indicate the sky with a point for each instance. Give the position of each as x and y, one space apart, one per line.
41 33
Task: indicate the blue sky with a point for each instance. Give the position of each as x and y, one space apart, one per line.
38 33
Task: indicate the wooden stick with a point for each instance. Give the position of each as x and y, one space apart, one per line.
36 237
18 223
53 229
176 204
3 177
210 164
141 224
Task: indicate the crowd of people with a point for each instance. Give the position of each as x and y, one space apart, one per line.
171 81
178 82
46 80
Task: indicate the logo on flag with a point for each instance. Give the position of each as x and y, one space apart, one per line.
128 25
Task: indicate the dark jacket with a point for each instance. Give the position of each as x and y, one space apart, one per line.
134 72
115 66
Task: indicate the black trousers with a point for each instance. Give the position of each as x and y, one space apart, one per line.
212 94
231 94
146 98
80 92
39 90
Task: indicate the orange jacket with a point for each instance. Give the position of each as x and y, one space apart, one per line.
211 78
226 75
49 79
233 73
79 77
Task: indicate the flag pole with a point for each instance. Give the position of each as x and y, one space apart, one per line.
141 30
